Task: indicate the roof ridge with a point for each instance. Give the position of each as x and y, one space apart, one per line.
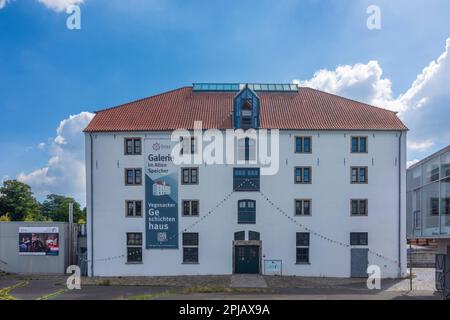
348 99
142 99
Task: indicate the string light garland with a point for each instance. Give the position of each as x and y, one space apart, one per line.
266 198
278 209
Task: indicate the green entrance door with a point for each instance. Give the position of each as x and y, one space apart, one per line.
246 259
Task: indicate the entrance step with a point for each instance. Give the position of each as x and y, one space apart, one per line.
247 281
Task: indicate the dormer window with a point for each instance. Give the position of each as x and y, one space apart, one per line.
246 109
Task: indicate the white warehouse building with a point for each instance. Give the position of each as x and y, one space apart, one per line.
332 205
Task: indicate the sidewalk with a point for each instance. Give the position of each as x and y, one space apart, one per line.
216 287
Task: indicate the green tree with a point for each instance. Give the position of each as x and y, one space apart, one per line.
18 203
56 208
4 218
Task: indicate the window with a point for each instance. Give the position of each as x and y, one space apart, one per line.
434 174
246 211
302 247
246 114
359 144
359 238
434 204
302 207
239 236
133 177
447 206
359 207
189 145
190 247
302 175
134 247
359 174
134 208
133 146
253 235
189 175
246 149
190 208
303 145
246 179
417 220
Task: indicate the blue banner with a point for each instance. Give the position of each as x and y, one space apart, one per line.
161 195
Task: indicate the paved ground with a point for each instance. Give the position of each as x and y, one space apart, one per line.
217 287
322 294
247 281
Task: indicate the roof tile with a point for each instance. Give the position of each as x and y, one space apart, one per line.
307 109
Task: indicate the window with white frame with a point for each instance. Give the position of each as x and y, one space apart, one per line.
133 146
133 176
190 247
134 247
359 175
188 145
190 208
302 247
359 207
302 207
134 208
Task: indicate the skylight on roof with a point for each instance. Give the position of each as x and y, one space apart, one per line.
236 87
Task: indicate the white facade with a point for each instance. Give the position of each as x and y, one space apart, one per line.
330 191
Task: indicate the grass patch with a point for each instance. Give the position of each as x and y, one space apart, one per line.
150 296
4 293
223 289
104 282
196 289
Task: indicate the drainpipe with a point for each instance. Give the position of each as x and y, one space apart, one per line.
92 203
400 204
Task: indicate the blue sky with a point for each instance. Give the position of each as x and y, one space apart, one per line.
132 49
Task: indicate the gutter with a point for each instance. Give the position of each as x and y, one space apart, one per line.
92 203
400 204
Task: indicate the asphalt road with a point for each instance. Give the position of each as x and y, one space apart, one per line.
45 289
54 288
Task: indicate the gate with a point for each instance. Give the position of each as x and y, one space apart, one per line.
442 284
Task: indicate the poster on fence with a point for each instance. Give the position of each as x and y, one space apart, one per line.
40 241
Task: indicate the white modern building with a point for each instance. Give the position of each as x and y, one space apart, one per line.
334 204
428 208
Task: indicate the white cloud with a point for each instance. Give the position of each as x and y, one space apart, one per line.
65 169
3 3
424 107
60 5
411 163
420 146
41 146
56 5
362 82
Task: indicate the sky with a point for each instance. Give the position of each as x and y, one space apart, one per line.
52 78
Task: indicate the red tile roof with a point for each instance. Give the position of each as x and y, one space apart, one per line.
307 109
